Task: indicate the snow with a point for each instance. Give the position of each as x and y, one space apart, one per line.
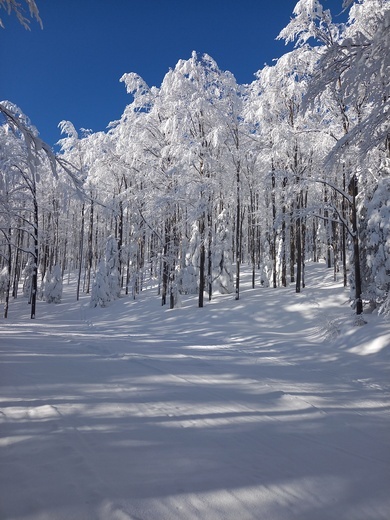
275 407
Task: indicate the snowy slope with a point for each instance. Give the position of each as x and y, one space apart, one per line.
271 408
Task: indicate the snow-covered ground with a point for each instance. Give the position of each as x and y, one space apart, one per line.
274 407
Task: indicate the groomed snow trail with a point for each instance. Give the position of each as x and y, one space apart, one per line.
242 410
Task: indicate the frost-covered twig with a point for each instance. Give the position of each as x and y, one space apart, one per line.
12 6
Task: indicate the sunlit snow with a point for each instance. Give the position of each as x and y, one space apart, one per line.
275 407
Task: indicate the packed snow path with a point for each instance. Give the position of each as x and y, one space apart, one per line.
239 411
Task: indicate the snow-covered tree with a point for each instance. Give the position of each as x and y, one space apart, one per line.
28 273
357 64
106 285
53 286
376 261
112 268
201 174
100 294
350 83
4 283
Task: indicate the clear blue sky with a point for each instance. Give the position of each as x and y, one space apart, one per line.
71 69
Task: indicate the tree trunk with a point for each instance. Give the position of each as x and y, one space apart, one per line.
90 247
298 240
328 226
9 267
344 235
202 260
238 231
81 248
34 284
299 256
252 227
314 240
210 255
304 241
353 189
283 237
292 248
274 234
120 240
165 264
17 264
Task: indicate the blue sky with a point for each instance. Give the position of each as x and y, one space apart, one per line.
71 69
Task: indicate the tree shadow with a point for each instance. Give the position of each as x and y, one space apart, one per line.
153 432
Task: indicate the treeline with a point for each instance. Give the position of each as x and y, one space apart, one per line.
202 174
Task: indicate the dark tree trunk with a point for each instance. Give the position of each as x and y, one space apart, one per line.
344 235
81 250
304 240
120 239
90 247
328 232
298 242
353 190
210 256
17 264
202 260
238 231
34 284
284 262
274 235
252 227
165 266
9 267
292 249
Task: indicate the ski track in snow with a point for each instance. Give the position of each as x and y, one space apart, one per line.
241 410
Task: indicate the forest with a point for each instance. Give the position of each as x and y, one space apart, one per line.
203 175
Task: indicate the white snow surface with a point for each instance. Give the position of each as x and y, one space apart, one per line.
273 407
